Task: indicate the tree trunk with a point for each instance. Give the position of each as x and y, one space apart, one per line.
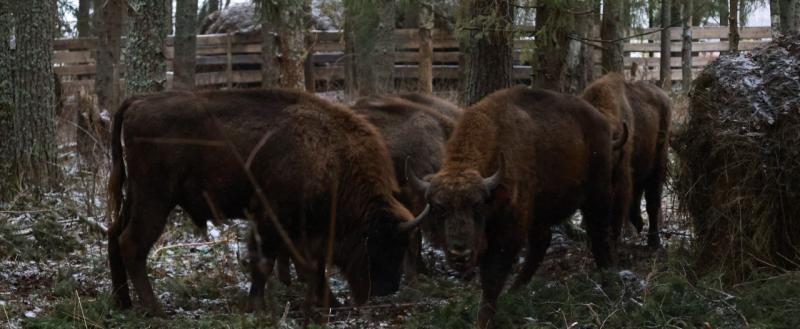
7 175
269 72
185 44
146 69
308 38
168 17
611 31
350 81
487 61
35 99
83 18
110 18
788 16
665 70
292 44
775 17
723 12
426 25
733 35
686 61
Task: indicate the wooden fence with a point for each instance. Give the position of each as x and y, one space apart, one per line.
235 59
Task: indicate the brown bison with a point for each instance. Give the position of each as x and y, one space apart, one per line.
642 167
294 164
520 161
415 127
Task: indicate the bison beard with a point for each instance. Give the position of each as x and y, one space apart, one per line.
232 154
642 168
548 155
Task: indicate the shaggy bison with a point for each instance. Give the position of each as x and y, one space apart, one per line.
642 166
301 168
415 128
520 161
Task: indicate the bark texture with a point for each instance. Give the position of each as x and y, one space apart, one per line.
110 18
789 12
269 70
7 176
733 20
185 44
486 46
665 71
83 19
35 100
425 22
146 69
686 60
373 46
611 29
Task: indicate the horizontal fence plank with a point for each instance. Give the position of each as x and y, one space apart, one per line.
696 46
705 32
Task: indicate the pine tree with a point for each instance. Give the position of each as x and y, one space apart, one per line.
185 44
7 175
486 47
34 97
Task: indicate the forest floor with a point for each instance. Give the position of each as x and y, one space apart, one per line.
54 274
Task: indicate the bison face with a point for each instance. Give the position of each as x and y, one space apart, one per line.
458 203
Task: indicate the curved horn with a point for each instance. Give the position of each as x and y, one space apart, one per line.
412 224
492 181
620 142
415 181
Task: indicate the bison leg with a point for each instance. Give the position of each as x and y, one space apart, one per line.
635 211
495 266
620 208
284 269
596 216
119 276
148 215
412 263
653 198
261 267
538 242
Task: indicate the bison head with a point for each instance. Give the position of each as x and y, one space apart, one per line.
380 268
458 200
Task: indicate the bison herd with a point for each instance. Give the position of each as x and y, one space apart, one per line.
328 185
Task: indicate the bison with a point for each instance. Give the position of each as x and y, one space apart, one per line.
642 167
415 127
301 168
518 162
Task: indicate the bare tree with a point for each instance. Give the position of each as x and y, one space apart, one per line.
775 17
425 23
6 101
110 16
563 61
34 97
83 18
789 12
486 48
665 70
611 30
146 64
185 44
733 20
686 61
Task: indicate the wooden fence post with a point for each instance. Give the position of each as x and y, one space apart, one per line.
229 60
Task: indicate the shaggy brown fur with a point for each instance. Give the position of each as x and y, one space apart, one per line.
200 151
645 109
415 128
551 154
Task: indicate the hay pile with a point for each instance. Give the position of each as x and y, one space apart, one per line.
738 173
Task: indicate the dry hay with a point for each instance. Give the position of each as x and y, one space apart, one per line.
738 173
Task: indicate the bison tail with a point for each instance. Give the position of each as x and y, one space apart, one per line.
117 179
620 142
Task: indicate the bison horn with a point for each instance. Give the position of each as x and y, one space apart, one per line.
416 182
492 181
620 142
412 224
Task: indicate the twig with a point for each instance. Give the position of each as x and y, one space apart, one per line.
33 211
94 224
188 245
369 307
83 315
8 320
